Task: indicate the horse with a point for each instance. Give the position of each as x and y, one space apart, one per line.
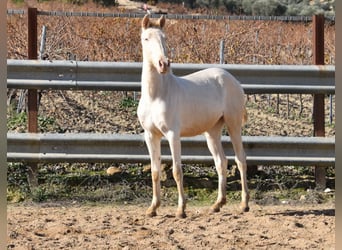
198 103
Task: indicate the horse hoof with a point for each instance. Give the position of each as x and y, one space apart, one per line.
150 213
181 215
244 209
214 209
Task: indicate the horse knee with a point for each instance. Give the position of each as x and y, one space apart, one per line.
241 161
221 165
177 174
155 175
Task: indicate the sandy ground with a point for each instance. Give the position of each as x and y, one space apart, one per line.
76 226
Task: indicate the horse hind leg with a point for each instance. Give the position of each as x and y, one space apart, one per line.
215 147
234 130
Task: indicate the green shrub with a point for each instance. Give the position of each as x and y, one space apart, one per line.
17 121
263 7
17 185
128 102
106 3
20 2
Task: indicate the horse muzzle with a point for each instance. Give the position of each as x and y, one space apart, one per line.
164 65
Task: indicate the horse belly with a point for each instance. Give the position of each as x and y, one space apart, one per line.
200 109
199 121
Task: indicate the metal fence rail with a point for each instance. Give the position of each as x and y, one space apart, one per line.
52 148
80 75
34 74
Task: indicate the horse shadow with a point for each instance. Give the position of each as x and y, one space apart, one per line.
316 212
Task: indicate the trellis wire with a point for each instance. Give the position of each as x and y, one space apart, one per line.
174 16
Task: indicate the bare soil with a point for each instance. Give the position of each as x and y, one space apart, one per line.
75 226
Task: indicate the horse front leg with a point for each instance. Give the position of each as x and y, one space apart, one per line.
175 147
153 146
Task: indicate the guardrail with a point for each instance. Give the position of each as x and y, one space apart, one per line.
52 148
292 79
37 74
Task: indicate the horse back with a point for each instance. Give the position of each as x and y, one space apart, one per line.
214 78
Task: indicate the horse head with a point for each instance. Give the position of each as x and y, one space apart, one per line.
154 45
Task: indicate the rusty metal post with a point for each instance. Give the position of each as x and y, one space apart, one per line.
318 105
32 36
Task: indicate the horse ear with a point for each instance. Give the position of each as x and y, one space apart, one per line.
145 22
161 21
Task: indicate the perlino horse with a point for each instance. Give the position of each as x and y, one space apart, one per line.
199 103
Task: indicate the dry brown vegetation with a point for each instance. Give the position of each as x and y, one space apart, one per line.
189 41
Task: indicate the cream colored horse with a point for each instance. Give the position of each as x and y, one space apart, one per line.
171 106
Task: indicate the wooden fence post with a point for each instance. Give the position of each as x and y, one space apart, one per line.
318 105
32 93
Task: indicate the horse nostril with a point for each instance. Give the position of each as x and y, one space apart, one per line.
163 65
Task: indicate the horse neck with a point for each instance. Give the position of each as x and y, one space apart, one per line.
153 84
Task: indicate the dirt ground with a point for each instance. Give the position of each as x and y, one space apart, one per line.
77 226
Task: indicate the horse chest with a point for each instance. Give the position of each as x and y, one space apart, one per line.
152 116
